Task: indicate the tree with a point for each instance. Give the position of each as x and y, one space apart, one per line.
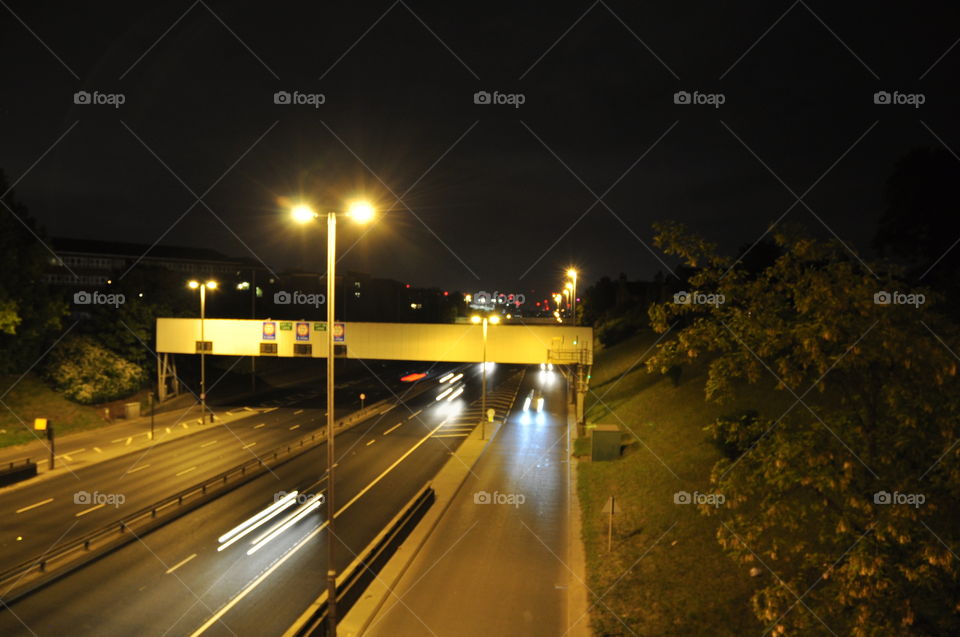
805 498
30 315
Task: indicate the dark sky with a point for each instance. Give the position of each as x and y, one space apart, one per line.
492 196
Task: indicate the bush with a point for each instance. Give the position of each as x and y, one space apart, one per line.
87 373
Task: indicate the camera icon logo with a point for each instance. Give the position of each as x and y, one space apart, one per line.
82 497
682 497
81 97
281 97
681 97
481 97
882 497
282 298
481 497
682 298
882 298
82 298
481 298
881 97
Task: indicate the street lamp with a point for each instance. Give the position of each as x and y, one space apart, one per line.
203 345
361 212
478 320
572 273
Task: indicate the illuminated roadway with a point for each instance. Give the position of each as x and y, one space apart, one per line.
174 581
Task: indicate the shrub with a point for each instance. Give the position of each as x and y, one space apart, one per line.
88 373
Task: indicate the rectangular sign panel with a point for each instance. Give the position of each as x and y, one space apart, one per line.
303 331
269 331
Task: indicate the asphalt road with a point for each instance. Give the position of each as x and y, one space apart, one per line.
36 516
497 560
174 581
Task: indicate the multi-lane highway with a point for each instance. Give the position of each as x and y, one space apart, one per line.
175 581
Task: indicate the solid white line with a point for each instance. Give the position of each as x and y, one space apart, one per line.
252 585
34 506
186 471
143 466
392 428
179 564
93 508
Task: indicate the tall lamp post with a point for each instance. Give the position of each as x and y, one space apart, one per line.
572 273
361 212
212 285
483 320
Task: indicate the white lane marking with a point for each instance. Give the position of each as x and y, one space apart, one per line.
415 414
185 471
263 424
34 506
452 436
267 411
140 468
392 428
298 412
179 564
207 444
93 508
370 442
73 453
98 449
248 446
263 576
129 440
294 427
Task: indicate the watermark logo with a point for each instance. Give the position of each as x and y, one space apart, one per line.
483 298
910 499
511 99
899 99
98 298
697 98
302 498
86 98
299 298
100 499
299 99
898 298
712 499
698 298
485 497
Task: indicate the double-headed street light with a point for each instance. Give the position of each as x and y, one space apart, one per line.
212 285
361 212
572 273
476 319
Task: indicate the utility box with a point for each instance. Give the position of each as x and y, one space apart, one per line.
605 442
131 410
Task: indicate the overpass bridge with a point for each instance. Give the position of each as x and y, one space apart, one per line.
507 343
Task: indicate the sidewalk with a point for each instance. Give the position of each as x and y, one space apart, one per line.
502 559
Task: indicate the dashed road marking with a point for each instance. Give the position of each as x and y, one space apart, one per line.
91 509
392 428
294 427
415 414
35 505
140 468
371 441
179 564
185 471
207 444
263 424
247 446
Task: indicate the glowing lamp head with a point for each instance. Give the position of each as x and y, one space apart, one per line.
303 213
361 211
572 273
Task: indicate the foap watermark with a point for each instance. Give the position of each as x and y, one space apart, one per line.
698 298
498 298
485 497
99 499
301 498
897 98
86 98
511 99
910 499
697 98
685 497
299 99
299 298
898 298
98 298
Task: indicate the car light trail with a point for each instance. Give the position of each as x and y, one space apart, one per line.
445 393
456 378
259 519
526 404
456 393
282 526
446 378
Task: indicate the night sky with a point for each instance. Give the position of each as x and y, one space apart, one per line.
492 196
